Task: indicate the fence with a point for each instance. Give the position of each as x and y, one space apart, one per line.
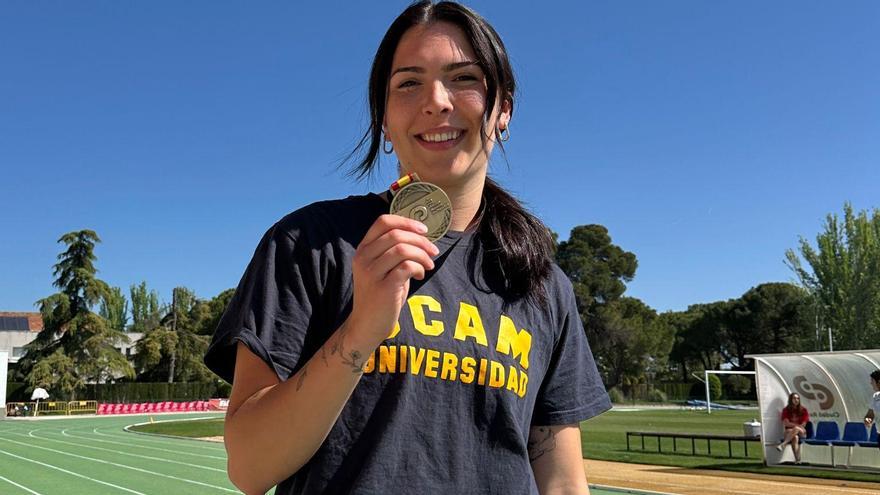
82 407
130 392
51 407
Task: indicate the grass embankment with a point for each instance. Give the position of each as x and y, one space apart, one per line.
194 429
604 438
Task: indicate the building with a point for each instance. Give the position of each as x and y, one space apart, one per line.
20 329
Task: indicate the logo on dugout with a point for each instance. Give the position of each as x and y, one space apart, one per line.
814 391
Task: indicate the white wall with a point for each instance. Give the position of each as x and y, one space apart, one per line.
10 339
3 370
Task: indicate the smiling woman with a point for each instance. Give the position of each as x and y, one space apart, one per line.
436 107
479 385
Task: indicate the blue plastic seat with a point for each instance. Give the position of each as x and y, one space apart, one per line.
853 432
872 438
826 432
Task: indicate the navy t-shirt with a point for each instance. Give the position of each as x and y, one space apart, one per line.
446 401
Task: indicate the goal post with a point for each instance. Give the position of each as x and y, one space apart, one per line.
719 372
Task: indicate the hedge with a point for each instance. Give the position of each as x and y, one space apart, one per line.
132 392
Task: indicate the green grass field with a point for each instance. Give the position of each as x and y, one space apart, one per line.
604 438
195 429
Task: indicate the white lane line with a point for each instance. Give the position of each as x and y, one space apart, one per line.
123 466
80 445
126 436
20 486
66 471
133 444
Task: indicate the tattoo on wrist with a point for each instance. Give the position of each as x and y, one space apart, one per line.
544 441
352 358
356 361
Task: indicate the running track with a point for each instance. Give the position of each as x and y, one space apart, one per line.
95 455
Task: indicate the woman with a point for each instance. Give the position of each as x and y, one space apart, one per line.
794 419
364 358
874 408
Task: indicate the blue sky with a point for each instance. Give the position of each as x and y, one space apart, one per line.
706 136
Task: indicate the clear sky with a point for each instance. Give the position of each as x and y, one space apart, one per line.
706 136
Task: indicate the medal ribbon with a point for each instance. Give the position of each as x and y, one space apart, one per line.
403 181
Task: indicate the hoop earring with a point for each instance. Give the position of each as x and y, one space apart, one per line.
388 150
502 136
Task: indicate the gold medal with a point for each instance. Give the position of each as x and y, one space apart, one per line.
424 202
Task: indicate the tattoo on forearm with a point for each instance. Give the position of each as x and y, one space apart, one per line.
324 355
302 377
544 441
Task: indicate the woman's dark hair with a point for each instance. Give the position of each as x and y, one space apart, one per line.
799 410
519 247
876 375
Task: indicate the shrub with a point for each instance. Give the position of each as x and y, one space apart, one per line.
698 389
738 387
616 396
715 387
223 389
656 395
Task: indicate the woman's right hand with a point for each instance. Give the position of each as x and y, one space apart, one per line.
393 251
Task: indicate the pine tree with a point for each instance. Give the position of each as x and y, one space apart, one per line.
76 345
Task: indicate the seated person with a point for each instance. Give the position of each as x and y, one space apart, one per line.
794 419
870 417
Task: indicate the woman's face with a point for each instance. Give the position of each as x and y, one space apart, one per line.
795 400
436 100
875 384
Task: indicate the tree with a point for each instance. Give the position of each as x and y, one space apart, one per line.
598 271
769 318
842 273
146 312
214 311
58 373
698 339
680 355
640 342
114 309
173 350
76 346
